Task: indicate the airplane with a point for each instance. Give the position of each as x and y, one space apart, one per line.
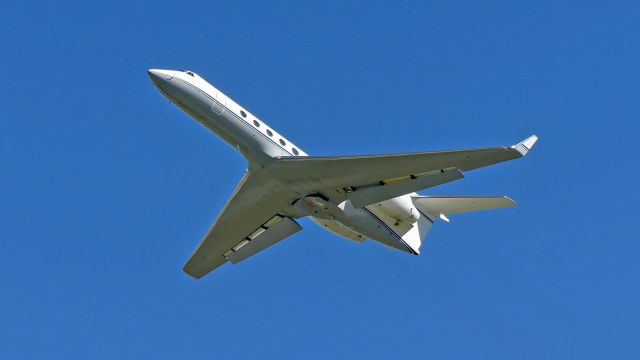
356 197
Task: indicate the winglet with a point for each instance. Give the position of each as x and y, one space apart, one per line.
525 145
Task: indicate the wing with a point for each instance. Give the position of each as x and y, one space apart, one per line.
341 178
250 222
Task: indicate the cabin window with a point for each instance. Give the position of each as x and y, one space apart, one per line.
282 142
295 151
256 123
244 114
269 132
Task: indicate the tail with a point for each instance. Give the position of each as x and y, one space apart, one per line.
432 208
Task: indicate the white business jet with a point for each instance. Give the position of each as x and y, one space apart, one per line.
356 197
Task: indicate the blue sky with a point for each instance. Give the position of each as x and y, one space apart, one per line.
107 188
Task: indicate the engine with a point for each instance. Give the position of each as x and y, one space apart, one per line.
400 208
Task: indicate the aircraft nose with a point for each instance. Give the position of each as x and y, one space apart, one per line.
159 75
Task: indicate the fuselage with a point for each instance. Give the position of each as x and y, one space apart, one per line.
259 143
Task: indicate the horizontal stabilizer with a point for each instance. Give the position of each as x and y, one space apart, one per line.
444 205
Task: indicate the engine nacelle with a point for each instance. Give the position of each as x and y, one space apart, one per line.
400 208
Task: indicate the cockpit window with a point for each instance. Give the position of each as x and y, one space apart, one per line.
188 72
